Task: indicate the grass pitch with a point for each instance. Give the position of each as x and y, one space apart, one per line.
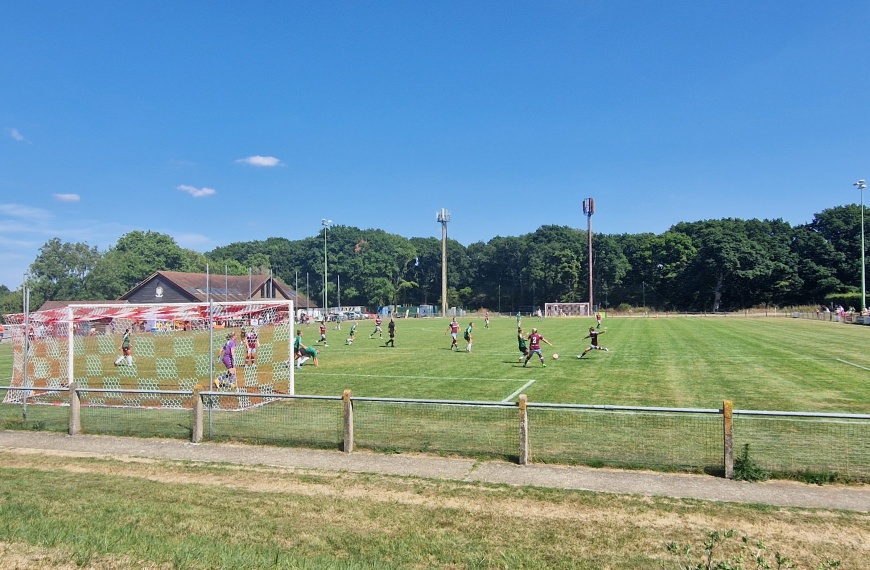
758 363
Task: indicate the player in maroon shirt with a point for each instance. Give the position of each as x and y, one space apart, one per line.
252 342
535 340
453 327
323 332
378 330
593 342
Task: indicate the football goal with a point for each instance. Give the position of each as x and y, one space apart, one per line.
168 347
567 310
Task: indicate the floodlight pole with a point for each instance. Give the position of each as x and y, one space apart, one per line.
325 223
443 217
589 209
861 185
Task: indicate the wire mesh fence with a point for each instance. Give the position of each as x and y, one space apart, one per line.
21 413
304 421
136 413
625 437
476 429
784 443
791 443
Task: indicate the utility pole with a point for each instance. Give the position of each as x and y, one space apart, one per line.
443 217
325 223
861 185
589 209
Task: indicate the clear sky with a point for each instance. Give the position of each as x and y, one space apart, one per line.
216 122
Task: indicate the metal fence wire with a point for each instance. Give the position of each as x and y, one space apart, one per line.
467 428
626 437
303 421
809 443
784 443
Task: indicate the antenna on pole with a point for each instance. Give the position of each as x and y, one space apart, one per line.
442 217
589 209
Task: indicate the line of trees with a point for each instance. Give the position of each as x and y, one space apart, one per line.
712 265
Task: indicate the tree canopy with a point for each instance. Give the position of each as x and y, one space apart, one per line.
709 265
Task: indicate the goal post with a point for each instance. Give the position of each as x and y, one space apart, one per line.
172 347
567 310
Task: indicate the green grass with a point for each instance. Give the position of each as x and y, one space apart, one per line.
758 363
779 364
5 361
135 514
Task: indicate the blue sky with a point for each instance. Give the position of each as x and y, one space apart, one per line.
217 122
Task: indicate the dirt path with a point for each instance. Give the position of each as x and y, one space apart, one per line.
703 487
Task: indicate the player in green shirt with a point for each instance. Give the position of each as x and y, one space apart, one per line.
352 334
521 342
126 350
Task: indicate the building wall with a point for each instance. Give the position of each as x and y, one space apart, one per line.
158 290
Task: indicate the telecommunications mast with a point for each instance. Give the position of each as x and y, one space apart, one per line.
589 209
443 217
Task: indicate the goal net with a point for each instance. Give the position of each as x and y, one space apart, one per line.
173 347
567 310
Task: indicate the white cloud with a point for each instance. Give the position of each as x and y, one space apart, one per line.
197 192
260 161
16 134
67 197
26 212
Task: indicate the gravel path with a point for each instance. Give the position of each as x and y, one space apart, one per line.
703 487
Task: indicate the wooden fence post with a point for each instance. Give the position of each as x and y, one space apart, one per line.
198 414
348 422
728 429
75 410
524 429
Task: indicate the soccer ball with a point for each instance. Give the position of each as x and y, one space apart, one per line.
555 356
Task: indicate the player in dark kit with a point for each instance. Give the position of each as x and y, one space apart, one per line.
391 329
593 342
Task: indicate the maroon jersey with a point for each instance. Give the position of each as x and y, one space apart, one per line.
454 327
535 341
593 338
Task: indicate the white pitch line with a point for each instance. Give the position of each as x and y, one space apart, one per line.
417 377
851 364
518 392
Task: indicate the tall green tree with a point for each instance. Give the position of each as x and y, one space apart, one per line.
841 227
817 266
60 270
134 257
